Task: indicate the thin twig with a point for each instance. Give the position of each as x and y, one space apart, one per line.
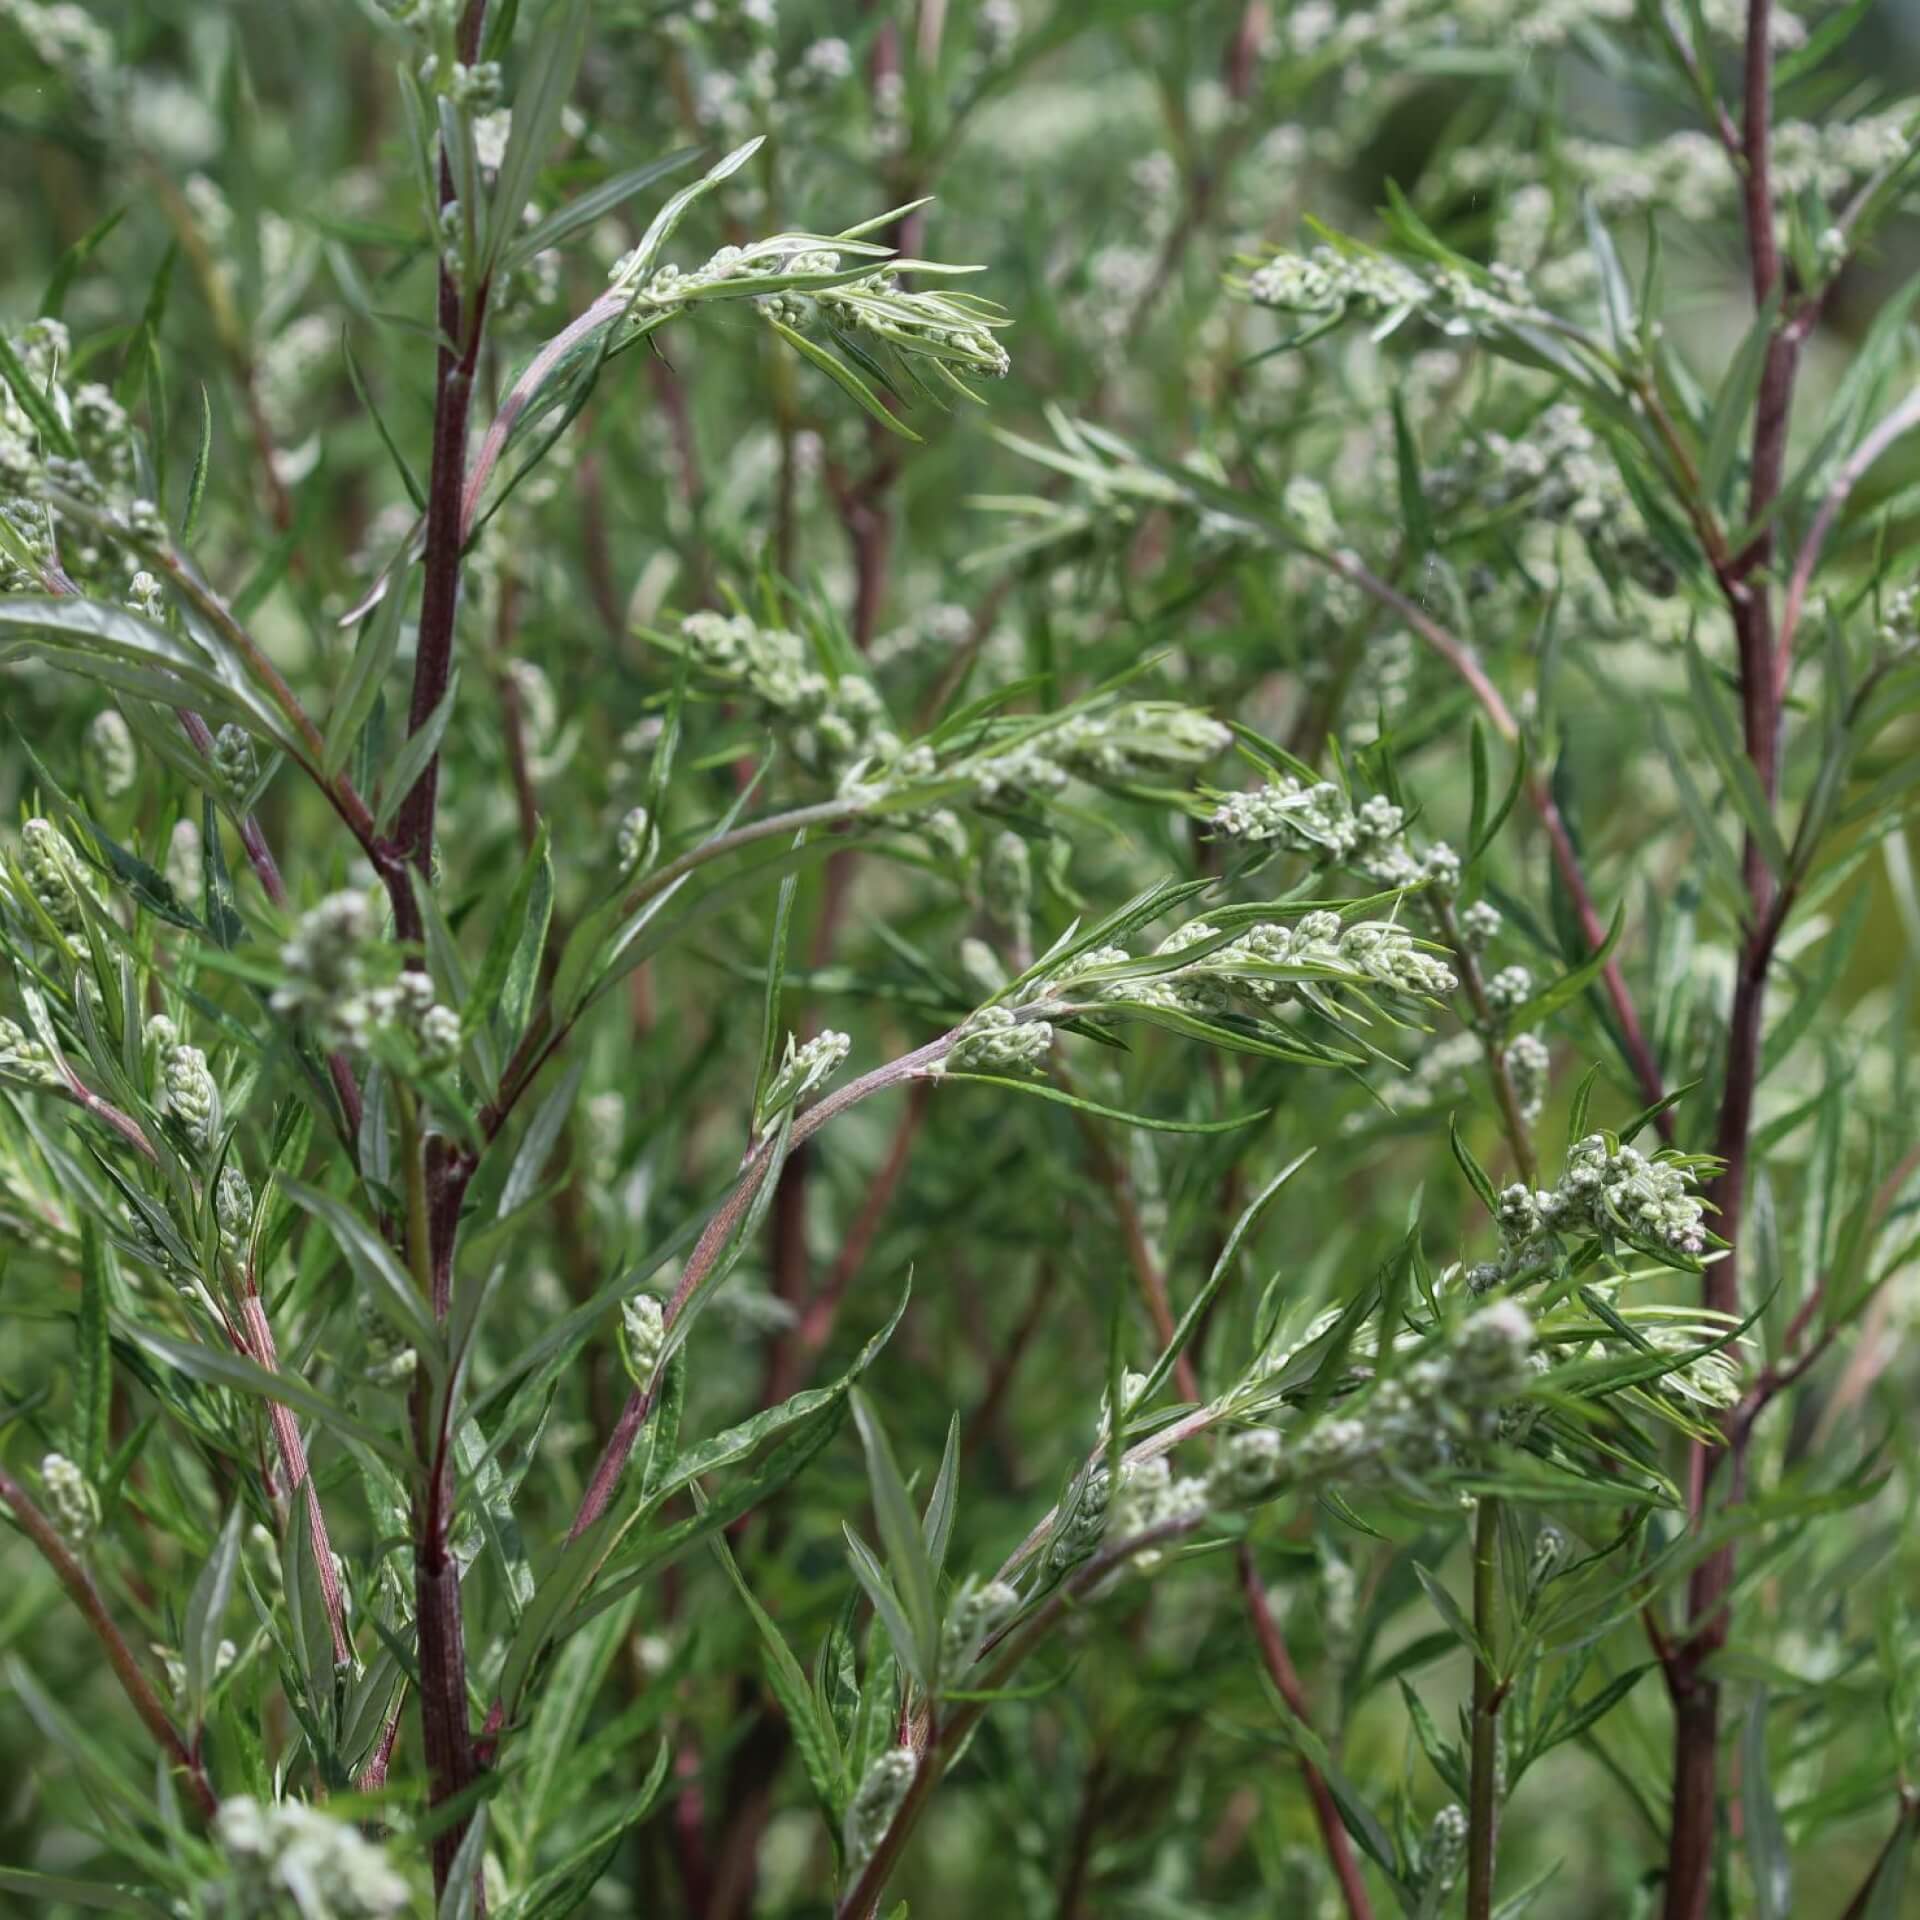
1286 1680
120 1657
1902 420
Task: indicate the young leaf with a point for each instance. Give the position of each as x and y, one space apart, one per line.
909 1564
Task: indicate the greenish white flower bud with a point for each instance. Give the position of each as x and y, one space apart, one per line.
176 1667
326 967
23 1059
390 1362
144 596
1006 879
112 766
875 1801
995 1040
1549 1555
285 1857
637 838
1491 1347
803 1070
235 764
1151 1497
233 1210
189 1096
1479 924
1529 1067
983 968
1444 1848
185 870
974 1614
1080 1523
438 1035
643 1337
1509 988
1249 1466
72 1504
52 871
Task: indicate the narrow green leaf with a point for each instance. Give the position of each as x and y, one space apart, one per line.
1768 1858
1570 986
844 376
1477 1177
374 1264
538 103
93 1354
215 1368
35 404
1416 519
411 761
207 1613
776 975
1148 1122
589 207
401 464
1733 404
373 656
503 989
908 1564
814 1735
202 462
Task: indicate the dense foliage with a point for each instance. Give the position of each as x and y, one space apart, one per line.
959 956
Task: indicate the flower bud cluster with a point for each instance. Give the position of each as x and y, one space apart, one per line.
233 1212
1709 1379
224 1655
1560 472
996 1040
1550 1548
99 470
954 329
1006 880
875 1801
72 1504
108 755
1899 633
636 840
1530 1070
1411 1424
23 1059
1509 988
1152 1496
975 1613
1480 924
330 979
643 1337
1134 742
390 1360
1371 953
803 1070
285 1857
1610 1190
1327 284
1443 1851
189 1097
235 764
185 865
53 875
836 724
1321 822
